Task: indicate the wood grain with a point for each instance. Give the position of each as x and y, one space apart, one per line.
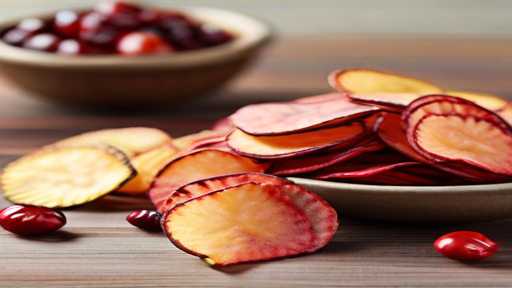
98 248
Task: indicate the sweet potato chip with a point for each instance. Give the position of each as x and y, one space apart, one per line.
392 132
132 141
65 176
192 141
148 165
320 214
240 224
314 162
445 128
366 81
319 98
489 101
268 147
293 117
198 165
506 113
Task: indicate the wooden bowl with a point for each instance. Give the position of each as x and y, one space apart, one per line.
433 204
116 81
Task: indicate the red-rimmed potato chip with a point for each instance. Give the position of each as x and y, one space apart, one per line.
132 140
198 165
245 223
311 163
283 146
379 88
321 215
443 128
489 101
293 117
192 141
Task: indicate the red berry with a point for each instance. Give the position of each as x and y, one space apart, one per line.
120 14
125 21
42 42
31 25
95 29
149 17
24 30
31 220
72 47
465 246
15 37
140 43
213 36
93 21
116 7
180 32
145 219
67 23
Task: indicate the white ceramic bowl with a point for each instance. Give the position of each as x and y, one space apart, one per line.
465 203
113 80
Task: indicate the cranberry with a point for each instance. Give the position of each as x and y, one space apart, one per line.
95 29
73 47
15 37
125 21
120 14
67 23
181 33
93 21
213 36
149 17
465 246
145 219
42 42
24 30
32 25
140 43
31 220
116 7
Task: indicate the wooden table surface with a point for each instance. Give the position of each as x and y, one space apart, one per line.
99 249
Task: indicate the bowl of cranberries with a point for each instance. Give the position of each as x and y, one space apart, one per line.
124 55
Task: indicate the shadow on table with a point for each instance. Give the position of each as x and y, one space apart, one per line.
116 203
54 237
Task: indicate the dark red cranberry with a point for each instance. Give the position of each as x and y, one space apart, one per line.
149 17
213 36
67 23
93 21
141 43
32 25
120 14
116 7
31 220
181 33
105 38
16 37
465 246
73 47
145 219
95 29
42 42
125 21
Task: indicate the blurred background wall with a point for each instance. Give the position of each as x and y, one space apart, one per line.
412 17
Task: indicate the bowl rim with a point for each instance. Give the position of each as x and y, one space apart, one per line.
252 33
500 188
